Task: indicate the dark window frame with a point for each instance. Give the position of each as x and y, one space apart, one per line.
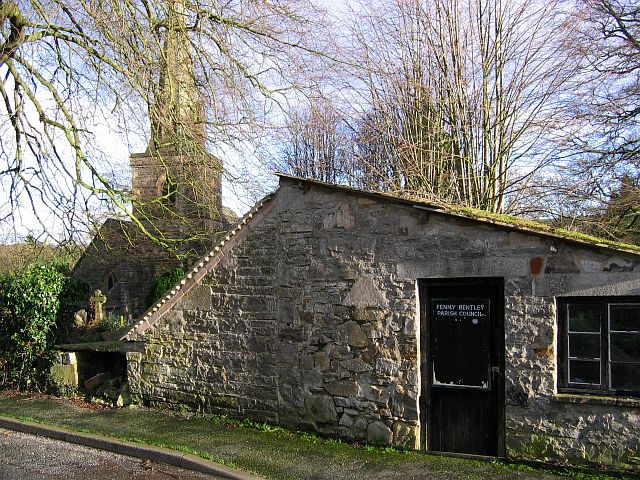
603 388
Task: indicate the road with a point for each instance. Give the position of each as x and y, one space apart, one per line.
29 457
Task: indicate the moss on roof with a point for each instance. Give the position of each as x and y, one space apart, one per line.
503 220
533 226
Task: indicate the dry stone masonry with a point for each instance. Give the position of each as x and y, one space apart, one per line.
314 321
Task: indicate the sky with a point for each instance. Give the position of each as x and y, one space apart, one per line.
116 147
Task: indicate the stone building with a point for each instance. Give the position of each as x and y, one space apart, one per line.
380 319
367 316
176 190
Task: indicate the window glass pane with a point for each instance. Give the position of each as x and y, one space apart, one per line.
625 347
625 317
585 317
625 376
584 371
584 345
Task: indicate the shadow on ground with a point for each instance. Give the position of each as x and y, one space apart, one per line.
272 452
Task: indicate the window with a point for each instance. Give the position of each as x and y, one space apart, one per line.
599 344
166 188
108 281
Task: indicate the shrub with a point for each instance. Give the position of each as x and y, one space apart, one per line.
111 323
163 283
31 303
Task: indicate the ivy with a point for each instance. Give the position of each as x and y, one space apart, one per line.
164 283
31 303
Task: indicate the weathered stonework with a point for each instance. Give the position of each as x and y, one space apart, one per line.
312 320
117 263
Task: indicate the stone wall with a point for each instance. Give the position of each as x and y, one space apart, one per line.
540 423
313 321
216 351
131 259
346 319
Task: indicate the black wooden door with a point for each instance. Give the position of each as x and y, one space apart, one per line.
463 384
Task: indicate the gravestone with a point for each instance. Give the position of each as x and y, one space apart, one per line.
97 300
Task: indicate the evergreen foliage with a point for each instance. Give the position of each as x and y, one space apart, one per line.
623 211
164 283
36 307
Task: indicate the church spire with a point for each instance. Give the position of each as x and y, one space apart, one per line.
176 182
177 112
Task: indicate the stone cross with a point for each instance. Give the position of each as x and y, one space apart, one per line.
97 300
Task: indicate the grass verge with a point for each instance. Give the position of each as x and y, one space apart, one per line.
269 450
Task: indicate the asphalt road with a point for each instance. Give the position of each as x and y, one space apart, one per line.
29 457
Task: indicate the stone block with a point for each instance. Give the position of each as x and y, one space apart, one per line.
345 421
320 408
197 299
306 317
368 314
372 331
395 322
364 406
360 425
337 352
365 293
386 366
378 433
312 379
410 326
306 362
406 436
405 407
356 365
65 374
353 334
321 361
287 353
343 388
376 393
345 218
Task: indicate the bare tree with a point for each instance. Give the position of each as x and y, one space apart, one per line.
68 65
314 143
598 176
462 94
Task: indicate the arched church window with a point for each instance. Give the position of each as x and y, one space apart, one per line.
108 282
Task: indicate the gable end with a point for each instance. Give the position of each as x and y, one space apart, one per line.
201 268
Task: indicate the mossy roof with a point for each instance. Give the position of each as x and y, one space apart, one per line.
501 220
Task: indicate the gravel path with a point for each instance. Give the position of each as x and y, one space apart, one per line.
29 457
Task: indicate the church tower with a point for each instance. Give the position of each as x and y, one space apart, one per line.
176 183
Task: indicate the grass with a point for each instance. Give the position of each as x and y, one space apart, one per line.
269 450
